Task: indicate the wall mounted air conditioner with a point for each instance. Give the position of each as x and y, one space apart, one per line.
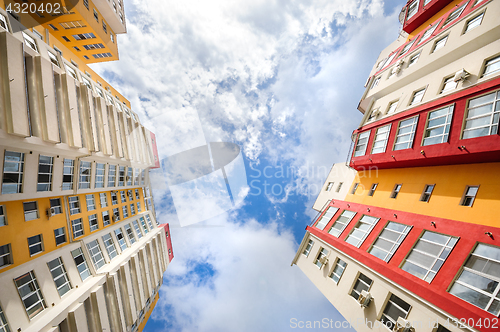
364 299
461 75
403 325
50 212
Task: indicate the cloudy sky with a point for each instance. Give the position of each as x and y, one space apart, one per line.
280 78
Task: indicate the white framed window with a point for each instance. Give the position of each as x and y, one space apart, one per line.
474 22
149 221
405 133
4 325
3 216
103 200
138 207
362 144
74 205
68 174
137 176
143 224
90 202
373 114
13 170
412 9
372 189
35 244
341 223
112 176
363 283
426 2
125 211
396 190
479 281
105 218
121 176
354 188
438 125
5 255
137 229
413 59
59 276
53 59
491 66
96 15
81 263
417 96
3 22
60 235
339 187
394 308
114 198
84 179
55 205
338 270
137 195
389 59
121 239
426 194
93 224
429 31
389 240
381 138
329 186
428 255
30 42
104 27
45 167
469 195
99 175
308 248
77 227
322 253
449 84
360 232
110 245
132 209
112 36
30 210
440 43
30 294
392 107
375 83
482 116
70 71
406 48
116 213
326 217
96 254
455 14
130 233
129 176
130 195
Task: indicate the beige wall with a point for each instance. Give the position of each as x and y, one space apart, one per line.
339 173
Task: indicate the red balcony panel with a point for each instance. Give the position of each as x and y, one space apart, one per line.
423 14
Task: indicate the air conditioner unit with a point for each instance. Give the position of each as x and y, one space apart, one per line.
364 299
113 217
49 212
402 325
323 260
461 75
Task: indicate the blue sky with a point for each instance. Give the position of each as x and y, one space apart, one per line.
282 79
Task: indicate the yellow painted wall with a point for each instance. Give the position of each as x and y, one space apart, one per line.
450 182
148 313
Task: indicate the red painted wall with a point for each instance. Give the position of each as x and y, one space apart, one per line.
431 9
435 292
155 151
169 241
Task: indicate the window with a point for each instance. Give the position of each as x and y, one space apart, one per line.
59 275
86 3
492 66
116 213
405 134
137 228
55 205
417 96
329 186
322 253
30 211
89 47
426 195
30 42
389 240
362 143
105 218
396 190
45 165
308 248
96 254
130 234
413 59
149 221
104 200
392 107
114 198
429 32
123 197
380 140
362 284
394 309
13 168
85 169
112 176
456 13
104 26
121 239
406 48
449 84
90 202
132 209
482 116
130 195
102 55
121 179
479 280
94 225
338 270
129 176
474 23
99 176
375 82
74 205
30 294
143 223
469 195
3 219
137 195
4 326
112 37
373 115
70 71
325 218
96 15
35 244
438 126
77 226
372 189
5 255
3 22
439 44
53 59
412 9
428 255
60 235
68 172
354 187
81 263
137 177
341 223
361 230
110 246
138 207
339 187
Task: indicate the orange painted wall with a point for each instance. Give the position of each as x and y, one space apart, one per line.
148 313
